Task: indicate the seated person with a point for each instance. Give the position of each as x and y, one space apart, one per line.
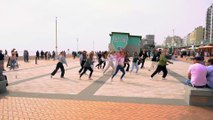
209 75
197 74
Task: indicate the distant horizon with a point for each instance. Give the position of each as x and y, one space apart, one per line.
30 24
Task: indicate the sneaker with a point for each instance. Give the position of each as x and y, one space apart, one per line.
151 78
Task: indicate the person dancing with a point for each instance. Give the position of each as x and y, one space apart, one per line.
110 62
82 59
88 66
120 65
135 62
61 61
126 61
162 66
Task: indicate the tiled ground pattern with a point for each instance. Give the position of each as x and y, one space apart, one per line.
12 108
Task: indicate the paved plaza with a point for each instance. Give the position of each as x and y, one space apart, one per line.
34 95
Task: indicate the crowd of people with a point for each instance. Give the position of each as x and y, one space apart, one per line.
120 61
199 75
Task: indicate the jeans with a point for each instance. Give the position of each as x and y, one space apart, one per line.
136 66
121 68
188 82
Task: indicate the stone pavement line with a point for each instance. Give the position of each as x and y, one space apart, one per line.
177 76
98 98
36 77
90 90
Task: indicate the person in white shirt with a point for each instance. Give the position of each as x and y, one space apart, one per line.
110 59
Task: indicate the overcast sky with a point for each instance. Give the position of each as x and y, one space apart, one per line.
30 24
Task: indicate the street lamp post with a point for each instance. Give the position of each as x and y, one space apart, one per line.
173 30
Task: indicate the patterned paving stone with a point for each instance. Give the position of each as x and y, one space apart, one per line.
33 95
48 109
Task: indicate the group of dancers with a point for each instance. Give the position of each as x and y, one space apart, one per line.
117 61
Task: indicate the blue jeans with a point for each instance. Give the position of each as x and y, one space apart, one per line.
121 68
188 82
135 65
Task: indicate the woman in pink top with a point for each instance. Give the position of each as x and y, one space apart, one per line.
120 64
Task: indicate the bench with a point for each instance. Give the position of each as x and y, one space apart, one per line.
198 96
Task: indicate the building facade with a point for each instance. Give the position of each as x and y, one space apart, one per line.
209 26
196 37
148 42
174 42
124 41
